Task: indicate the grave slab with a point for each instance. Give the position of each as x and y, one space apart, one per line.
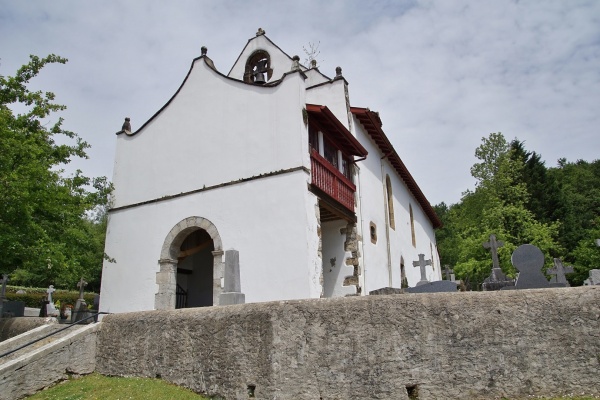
434 287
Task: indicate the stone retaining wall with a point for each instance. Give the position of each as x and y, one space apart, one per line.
431 346
72 354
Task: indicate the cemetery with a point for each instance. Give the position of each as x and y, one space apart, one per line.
535 337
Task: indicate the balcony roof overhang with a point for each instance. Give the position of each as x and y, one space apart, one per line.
324 118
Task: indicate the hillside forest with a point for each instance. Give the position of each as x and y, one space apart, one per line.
521 200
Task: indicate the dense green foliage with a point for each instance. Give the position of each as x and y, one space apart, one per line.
46 233
34 296
520 200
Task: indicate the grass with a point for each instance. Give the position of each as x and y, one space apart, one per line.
96 386
571 397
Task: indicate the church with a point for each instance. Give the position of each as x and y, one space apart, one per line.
271 160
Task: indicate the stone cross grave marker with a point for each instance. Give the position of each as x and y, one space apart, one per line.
50 291
497 278
449 274
51 311
529 261
559 272
3 294
81 284
80 312
493 245
3 291
422 263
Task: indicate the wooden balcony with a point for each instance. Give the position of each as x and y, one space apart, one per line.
332 182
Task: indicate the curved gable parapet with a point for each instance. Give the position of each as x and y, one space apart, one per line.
209 63
214 130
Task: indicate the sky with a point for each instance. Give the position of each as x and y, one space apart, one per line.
442 74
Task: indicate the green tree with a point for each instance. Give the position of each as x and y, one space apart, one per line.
586 255
579 213
496 206
544 196
46 236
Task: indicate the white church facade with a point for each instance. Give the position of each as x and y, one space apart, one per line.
271 160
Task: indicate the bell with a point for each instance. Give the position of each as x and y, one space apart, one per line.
259 78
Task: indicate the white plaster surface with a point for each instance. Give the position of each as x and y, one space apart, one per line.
264 220
196 142
373 209
237 155
333 96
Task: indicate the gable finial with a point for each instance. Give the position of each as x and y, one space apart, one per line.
126 126
260 32
313 63
338 72
295 63
203 50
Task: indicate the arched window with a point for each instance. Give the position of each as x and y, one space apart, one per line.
432 258
412 226
403 280
373 232
390 201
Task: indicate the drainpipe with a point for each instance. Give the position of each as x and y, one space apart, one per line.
387 219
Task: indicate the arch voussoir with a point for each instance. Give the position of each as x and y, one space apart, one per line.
167 275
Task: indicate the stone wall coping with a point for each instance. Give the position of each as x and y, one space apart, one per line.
427 297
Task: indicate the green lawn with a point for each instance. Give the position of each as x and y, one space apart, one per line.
96 386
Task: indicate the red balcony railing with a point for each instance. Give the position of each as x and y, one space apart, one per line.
331 181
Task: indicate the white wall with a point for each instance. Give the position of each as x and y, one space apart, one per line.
335 269
373 209
265 220
314 77
214 131
333 96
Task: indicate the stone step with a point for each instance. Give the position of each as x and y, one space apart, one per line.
32 335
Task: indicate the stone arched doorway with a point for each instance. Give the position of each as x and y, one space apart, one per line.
193 233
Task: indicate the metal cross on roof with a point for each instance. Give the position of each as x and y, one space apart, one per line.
422 263
559 272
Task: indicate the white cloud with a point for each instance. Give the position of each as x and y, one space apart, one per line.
442 73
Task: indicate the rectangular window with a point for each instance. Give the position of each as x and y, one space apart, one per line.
330 152
313 138
347 168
